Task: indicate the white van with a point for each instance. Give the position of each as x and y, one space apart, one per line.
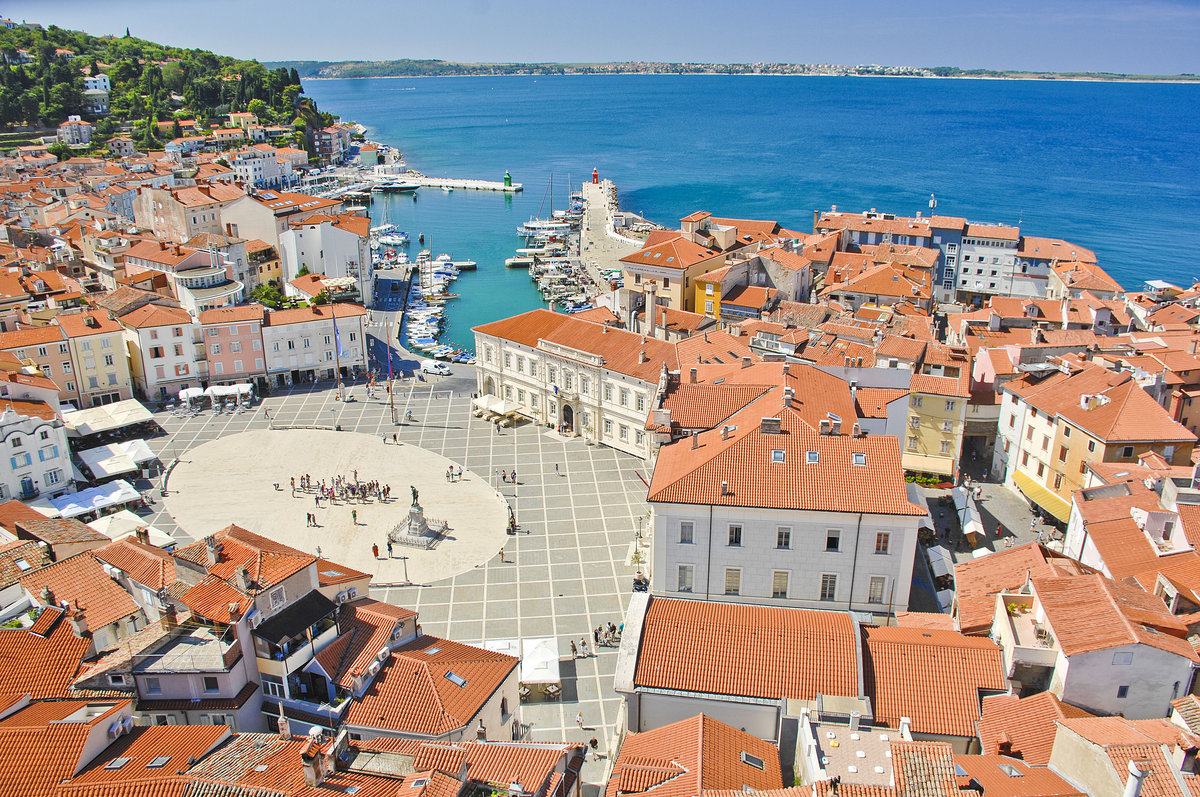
434 367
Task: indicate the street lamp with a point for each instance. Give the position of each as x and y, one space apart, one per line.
404 559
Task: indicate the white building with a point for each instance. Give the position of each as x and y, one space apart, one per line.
37 460
302 345
261 167
765 509
335 245
75 132
584 378
98 82
988 263
166 353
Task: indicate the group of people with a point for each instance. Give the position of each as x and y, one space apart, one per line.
454 474
340 488
604 635
508 478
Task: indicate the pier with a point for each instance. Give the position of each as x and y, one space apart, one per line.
468 185
600 247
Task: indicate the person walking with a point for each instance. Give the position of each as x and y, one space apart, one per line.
595 745
556 473
375 549
501 555
354 519
395 439
596 636
513 476
389 548
583 647
574 651
579 719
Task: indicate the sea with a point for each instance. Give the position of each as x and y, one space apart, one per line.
1114 167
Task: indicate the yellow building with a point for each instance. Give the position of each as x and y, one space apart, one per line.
937 411
707 299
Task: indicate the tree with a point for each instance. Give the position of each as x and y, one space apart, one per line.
149 138
321 298
258 108
59 150
303 271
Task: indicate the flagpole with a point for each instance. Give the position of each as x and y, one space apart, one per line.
337 355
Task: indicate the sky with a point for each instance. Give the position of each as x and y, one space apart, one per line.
1132 36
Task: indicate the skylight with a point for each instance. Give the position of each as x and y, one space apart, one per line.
431 651
161 761
859 458
1011 771
753 761
117 763
456 679
812 457
777 455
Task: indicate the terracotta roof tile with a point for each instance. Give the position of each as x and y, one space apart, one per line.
1024 726
412 693
81 579
42 666
1031 781
933 677
147 565
978 581
367 626
924 769
689 645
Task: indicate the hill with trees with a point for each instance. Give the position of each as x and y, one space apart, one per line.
41 83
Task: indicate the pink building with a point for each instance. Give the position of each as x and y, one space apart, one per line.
233 344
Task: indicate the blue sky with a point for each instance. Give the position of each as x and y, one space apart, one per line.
1150 36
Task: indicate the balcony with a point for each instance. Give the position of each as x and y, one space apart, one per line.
1033 644
331 714
193 649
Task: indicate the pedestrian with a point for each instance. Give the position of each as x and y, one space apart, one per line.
395 439
596 636
583 647
513 476
501 555
389 548
318 551
574 651
354 516
375 549
308 518
579 719
504 476
595 745
317 501
556 473
385 440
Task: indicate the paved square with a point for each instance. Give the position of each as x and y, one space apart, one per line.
567 569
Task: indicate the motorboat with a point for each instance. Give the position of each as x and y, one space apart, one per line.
394 239
395 187
544 227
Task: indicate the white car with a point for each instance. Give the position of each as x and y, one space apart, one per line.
434 367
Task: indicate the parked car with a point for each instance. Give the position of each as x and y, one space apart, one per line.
434 367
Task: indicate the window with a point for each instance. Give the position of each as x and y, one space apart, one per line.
914 422
947 426
277 598
883 542
1057 481
833 541
212 333
116 679
641 438
1091 445
585 385
1123 692
777 456
733 581
272 686
608 392
912 443
950 405
153 686
916 400
875 589
828 587
858 458
684 578
735 534
779 584
1066 431
532 368
66 366
507 360
1126 451
108 360
178 350
520 364
211 684
1041 469
608 427
17 442
624 432
783 537
624 397
216 348
812 457
1122 658
945 446
686 532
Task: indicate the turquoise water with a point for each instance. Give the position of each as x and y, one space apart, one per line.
1113 167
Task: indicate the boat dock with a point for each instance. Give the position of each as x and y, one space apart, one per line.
468 185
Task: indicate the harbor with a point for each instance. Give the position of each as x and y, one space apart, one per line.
505 186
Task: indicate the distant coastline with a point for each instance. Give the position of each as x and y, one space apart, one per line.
408 68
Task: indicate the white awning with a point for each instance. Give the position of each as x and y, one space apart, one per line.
189 393
82 423
116 493
940 560
509 647
967 511
539 661
118 458
125 523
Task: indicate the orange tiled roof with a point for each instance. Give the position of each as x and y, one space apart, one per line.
978 581
322 312
413 695
155 315
691 757
42 665
232 315
81 580
366 628
924 769
1025 726
690 646
677 253
933 677
179 743
1032 781
27 551
146 564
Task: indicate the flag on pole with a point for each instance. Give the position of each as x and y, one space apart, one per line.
337 340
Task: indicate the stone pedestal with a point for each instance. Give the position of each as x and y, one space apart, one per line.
417 530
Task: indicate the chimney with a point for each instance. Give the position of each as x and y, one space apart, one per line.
1133 786
693 373
855 717
823 426
79 621
725 431
168 617
162 246
642 356
724 488
906 729
835 426
243 579
770 426
212 550
285 727
652 307
856 430
816 218
745 362
785 369
142 534
788 395
695 440
313 764
481 732
48 596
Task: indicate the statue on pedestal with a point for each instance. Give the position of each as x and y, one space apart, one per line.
414 494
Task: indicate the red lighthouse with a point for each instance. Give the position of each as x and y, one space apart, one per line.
595 176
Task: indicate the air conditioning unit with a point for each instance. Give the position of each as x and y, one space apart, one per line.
116 729
373 669
343 596
383 654
127 724
254 618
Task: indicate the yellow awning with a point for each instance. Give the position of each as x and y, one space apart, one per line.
1043 496
927 463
